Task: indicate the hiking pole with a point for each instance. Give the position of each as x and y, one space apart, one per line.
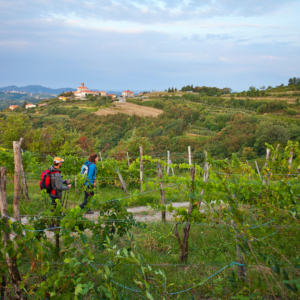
63 199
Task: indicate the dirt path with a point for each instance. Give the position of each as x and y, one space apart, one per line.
130 109
140 213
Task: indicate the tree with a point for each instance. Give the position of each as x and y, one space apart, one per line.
248 152
24 104
13 128
269 133
263 87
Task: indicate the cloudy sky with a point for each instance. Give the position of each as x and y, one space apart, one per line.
149 44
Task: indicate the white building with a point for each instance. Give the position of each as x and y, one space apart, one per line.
29 105
128 94
82 91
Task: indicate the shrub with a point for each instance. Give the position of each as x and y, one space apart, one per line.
291 112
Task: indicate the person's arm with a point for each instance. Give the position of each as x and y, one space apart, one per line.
59 183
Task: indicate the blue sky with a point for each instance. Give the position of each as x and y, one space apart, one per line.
149 45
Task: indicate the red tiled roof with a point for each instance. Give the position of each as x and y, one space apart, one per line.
127 91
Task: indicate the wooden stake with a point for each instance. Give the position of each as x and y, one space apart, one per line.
122 183
162 192
172 168
17 159
10 261
257 168
266 164
290 160
168 163
101 159
76 190
25 187
141 168
128 162
190 155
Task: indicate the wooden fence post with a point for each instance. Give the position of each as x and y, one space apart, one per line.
17 159
122 183
25 187
205 177
162 192
10 261
172 168
141 168
257 168
290 160
168 162
266 164
190 155
128 162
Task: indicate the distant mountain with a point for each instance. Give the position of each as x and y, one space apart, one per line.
36 89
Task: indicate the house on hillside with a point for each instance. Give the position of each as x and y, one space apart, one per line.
82 91
12 107
103 94
30 105
62 98
128 94
112 96
42 104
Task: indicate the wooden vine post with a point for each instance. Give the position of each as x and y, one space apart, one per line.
266 164
190 155
257 168
172 168
17 186
141 167
162 192
25 187
10 261
184 244
290 160
168 162
122 182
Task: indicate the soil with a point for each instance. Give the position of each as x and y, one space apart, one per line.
130 109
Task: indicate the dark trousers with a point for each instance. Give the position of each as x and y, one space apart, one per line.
87 194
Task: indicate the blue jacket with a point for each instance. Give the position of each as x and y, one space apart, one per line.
91 173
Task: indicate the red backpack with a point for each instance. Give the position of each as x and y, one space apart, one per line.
45 183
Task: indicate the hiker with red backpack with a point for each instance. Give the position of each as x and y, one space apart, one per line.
52 181
89 169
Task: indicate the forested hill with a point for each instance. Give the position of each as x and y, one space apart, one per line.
36 89
221 124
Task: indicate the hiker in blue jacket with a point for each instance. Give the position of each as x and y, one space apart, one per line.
89 168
